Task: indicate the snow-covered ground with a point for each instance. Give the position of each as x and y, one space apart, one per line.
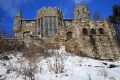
71 68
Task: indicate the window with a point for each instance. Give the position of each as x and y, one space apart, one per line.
69 35
0 36
28 24
83 10
93 31
48 26
52 25
84 31
78 12
40 26
101 30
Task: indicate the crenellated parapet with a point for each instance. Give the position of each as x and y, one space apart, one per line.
49 12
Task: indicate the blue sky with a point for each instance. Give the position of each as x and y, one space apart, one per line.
8 9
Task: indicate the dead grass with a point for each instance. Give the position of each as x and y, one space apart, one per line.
33 52
10 45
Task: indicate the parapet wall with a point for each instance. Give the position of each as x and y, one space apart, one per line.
10 45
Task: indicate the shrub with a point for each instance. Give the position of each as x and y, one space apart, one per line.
81 53
112 66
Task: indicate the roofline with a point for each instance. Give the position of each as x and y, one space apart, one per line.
70 19
28 19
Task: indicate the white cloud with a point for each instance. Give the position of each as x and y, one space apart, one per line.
10 6
80 1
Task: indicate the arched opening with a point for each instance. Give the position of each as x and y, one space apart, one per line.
84 31
69 35
24 33
101 30
78 12
0 36
93 31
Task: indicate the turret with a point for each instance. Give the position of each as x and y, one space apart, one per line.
81 12
17 21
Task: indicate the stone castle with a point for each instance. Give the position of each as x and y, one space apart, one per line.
79 35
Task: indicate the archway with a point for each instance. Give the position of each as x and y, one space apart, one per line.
101 30
69 35
93 31
84 31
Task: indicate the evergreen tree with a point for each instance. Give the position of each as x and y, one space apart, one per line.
115 19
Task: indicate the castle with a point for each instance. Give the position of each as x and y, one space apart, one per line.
79 35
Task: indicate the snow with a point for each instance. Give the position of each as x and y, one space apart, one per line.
75 68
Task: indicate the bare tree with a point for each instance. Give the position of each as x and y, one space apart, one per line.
96 16
57 64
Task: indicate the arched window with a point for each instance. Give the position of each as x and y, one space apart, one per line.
84 31
26 32
101 30
78 12
69 35
93 31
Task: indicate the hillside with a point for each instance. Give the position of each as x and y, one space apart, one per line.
59 66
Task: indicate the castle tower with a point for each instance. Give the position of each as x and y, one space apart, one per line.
17 22
81 12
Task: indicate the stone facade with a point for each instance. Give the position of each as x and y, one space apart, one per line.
81 34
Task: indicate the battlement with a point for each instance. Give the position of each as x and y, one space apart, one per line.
49 11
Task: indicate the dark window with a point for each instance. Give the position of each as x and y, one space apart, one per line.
54 25
38 33
93 31
46 26
69 35
40 26
83 10
84 31
78 12
101 30
0 36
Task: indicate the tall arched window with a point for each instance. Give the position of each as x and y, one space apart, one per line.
48 26
69 35
84 31
101 30
93 31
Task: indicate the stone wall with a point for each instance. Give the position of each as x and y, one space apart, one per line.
79 35
11 45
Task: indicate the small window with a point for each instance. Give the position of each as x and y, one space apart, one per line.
0 36
78 12
38 33
84 31
101 30
93 31
69 35
28 23
83 10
